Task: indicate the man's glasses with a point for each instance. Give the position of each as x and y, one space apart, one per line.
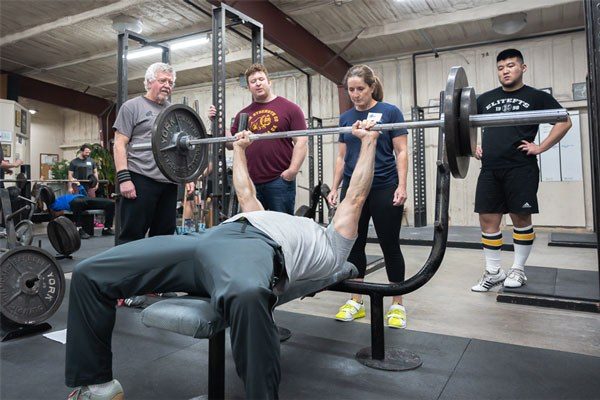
165 81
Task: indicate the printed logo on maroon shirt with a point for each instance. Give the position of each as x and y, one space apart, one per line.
263 121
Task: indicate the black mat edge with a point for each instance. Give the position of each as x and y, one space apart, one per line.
550 302
453 244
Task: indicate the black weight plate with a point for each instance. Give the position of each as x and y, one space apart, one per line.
32 285
92 181
24 232
178 163
72 232
467 132
21 180
46 194
63 235
457 80
304 211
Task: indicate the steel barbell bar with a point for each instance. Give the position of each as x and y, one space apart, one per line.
479 120
51 180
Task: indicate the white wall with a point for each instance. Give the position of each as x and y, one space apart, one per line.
47 133
79 128
57 130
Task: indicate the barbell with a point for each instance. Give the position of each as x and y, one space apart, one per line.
180 144
21 180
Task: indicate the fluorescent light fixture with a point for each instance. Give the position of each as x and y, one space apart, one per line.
191 41
177 44
509 24
145 52
33 111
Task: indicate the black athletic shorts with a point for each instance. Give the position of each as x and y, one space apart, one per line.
508 190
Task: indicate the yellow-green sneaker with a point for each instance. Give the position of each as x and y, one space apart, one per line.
350 311
396 316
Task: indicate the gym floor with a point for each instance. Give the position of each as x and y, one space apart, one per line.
472 347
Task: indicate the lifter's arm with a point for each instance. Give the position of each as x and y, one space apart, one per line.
345 221
244 188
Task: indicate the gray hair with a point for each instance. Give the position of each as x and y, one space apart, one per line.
155 69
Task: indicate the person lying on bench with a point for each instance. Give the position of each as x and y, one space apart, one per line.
241 264
80 202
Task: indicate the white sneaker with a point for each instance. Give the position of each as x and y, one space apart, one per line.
516 278
488 281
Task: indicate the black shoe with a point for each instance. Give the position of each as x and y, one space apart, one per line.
107 232
83 234
135 302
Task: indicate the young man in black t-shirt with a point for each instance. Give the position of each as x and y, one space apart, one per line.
509 177
83 162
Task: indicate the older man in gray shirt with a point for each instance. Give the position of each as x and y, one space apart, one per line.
149 199
242 265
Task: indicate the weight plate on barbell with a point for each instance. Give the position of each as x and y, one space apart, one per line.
46 194
468 133
21 180
32 285
179 163
458 163
92 181
24 232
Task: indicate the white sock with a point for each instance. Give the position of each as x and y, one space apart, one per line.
492 245
523 242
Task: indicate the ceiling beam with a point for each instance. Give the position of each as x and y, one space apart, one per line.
70 20
455 17
57 95
292 38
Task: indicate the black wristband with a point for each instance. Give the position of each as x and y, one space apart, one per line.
123 176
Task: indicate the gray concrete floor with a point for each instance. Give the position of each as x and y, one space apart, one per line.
446 304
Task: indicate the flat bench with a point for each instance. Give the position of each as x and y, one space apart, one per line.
195 317
87 219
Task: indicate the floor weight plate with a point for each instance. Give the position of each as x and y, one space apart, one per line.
32 285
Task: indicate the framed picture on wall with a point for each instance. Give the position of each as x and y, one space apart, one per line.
24 122
46 163
18 118
6 150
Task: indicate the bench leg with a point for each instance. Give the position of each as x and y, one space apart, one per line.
216 366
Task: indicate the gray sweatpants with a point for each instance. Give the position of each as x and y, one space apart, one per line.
232 263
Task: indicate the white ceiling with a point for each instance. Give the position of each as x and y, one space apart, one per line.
71 42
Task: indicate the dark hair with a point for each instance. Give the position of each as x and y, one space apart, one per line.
510 53
85 146
256 68
366 73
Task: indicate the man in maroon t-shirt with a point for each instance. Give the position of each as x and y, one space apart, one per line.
272 164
